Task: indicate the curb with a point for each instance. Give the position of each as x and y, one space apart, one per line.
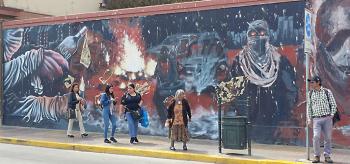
141 152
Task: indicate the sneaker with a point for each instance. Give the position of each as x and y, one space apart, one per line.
172 148
113 139
316 160
135 139
184 148
107 141
328 160
132 140
70 136
84 135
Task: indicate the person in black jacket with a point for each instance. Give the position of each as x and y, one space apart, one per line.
131 103
179 114
75 104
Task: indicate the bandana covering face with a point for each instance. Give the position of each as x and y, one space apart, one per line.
259 41
259 60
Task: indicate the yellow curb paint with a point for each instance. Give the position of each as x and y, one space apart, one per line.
37 143
142 152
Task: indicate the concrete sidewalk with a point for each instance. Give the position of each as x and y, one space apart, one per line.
154 146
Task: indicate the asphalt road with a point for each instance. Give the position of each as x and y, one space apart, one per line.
17 154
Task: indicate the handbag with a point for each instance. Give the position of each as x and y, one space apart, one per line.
71 113
135 114
144 117
336 116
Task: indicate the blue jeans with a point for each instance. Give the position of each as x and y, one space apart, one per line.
132 125
106 117
322 125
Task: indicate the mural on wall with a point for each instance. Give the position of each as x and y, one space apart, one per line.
331 56
257 47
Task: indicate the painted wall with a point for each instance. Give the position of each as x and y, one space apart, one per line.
331 56
193 51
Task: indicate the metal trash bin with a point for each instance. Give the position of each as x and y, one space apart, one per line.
234 132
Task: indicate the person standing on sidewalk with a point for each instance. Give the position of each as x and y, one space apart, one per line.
75 106
108 104
131 102
322 107
179 114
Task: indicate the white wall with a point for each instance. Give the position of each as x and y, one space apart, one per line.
55 7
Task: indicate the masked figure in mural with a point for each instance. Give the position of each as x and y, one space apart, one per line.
332 61
167 80
271 92
35 66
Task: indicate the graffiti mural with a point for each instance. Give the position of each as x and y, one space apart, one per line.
331 57
258 46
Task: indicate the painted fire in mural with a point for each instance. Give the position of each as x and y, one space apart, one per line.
194 51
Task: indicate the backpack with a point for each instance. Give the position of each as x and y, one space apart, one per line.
336 116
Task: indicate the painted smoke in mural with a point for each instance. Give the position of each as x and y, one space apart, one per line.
193 51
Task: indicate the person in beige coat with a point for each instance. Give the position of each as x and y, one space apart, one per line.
75 106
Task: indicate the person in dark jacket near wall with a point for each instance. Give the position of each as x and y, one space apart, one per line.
179 114
75 106
131 103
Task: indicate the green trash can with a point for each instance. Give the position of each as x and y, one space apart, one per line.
234 132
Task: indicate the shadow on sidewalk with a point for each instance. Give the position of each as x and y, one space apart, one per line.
236 154
142 144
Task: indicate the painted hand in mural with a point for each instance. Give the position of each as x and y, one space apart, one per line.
36 109
53 66
12 42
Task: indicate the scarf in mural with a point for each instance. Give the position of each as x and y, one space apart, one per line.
261 74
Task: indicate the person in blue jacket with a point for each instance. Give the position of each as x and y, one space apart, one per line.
108 104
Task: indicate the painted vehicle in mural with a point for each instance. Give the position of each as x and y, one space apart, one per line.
186 61
185 45
180 43
196 54
207 58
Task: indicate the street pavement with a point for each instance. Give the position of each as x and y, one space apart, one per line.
18 154
157 143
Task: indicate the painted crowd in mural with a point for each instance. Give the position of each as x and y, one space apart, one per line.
254 54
